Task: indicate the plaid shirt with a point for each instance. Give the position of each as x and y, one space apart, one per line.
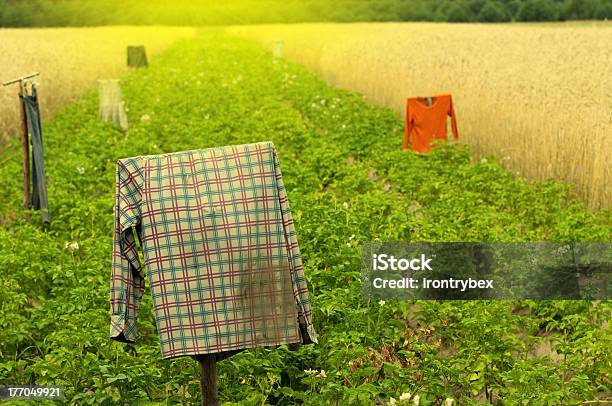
219 247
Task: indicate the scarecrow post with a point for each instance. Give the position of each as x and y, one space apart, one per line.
208 379
27 199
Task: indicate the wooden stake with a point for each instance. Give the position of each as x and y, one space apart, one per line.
208 379
25 141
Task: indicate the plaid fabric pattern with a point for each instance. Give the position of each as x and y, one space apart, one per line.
219 248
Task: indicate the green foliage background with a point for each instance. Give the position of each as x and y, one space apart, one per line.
348 182
33 13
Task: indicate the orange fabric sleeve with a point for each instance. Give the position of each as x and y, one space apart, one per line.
451 113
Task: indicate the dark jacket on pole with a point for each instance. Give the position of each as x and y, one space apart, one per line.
39 184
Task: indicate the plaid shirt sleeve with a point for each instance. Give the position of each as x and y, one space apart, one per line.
127 282
300 287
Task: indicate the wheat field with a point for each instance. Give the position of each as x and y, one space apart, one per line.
70 61
537 97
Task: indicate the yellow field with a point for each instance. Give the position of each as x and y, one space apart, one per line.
70 61
538 97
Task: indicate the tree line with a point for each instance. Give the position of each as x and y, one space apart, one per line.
34 13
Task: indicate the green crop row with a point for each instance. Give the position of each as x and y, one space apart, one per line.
348 183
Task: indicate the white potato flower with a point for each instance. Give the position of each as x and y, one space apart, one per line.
72 246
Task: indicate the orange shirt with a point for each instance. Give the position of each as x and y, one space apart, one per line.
426 123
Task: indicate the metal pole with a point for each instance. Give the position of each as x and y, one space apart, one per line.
208 379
